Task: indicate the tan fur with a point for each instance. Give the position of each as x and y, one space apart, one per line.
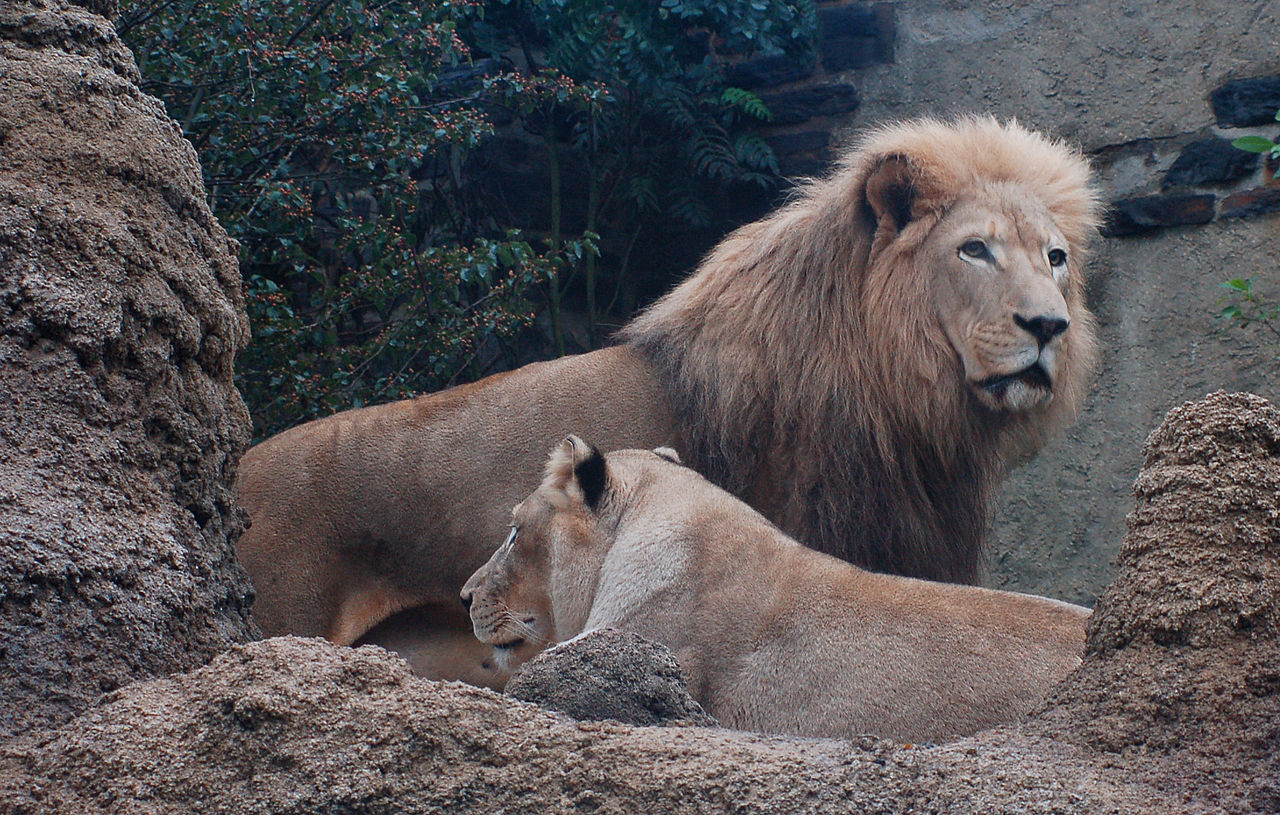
825 364
772 636
827 346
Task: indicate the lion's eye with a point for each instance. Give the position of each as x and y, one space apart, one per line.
1057 257
974 248
511 536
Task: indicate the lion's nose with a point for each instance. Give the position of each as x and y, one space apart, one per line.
1043 328
465 597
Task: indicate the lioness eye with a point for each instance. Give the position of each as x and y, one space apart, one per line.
975 249
1057 257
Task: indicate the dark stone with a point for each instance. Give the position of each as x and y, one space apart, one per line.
1247 102
1136 216
610 674
801 155
794 107
1247 203
765 72
1209 161
789 144
856 36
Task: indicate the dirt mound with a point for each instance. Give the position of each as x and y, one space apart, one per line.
1183 661
119 423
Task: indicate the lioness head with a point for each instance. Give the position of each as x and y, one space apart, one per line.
555 541
998 269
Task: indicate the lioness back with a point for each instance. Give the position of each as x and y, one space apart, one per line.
773 636
356 516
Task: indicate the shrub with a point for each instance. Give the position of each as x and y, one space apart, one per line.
335 143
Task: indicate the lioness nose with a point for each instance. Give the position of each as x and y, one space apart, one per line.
1042 328
465 597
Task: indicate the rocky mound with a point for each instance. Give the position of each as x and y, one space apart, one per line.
119 422
1183 664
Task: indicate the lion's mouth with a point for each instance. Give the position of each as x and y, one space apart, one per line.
510 645
1032 376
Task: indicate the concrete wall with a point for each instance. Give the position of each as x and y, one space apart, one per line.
1135 84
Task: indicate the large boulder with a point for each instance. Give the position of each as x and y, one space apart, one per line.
120 316
1176 708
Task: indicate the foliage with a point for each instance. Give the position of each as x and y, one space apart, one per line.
1245 305
1259 144
659 131
335 139
333 155
1248 307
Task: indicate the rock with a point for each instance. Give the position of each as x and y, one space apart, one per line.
856 36
1247 102
1209 161
1247 203
610 674
802 154
767 71
1183 655
794 107
1136 216
119 421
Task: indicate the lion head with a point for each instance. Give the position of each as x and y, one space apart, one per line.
884 343
995 242
553 537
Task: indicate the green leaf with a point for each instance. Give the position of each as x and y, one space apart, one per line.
1254 144
747 102
1240 284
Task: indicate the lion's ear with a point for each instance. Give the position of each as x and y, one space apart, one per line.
891 192
577 468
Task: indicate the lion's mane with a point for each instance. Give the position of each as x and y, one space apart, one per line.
804 351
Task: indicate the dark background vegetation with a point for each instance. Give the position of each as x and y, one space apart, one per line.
358 153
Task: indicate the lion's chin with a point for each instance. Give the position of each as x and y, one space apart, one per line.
1016 392
511 655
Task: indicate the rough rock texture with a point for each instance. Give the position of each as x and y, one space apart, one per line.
1183 657
610 674
120 317
1175 710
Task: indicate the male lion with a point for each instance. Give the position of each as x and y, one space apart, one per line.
857 366
771 636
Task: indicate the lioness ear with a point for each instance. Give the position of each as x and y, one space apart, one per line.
890 192
576 466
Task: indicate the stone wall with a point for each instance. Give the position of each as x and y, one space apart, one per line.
1153 92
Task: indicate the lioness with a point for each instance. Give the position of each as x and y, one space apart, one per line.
773 637
857 366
